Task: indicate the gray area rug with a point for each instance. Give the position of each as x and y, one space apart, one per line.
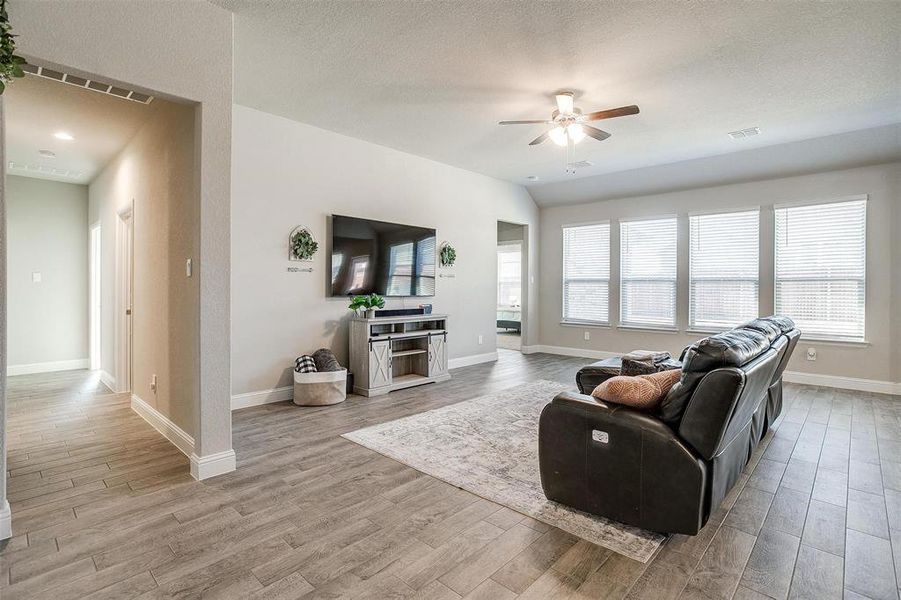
489 446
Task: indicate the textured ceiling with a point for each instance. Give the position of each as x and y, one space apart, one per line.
101 125
434 78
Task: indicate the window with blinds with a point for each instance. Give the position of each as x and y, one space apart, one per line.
648 273
586 274
821 268
723 269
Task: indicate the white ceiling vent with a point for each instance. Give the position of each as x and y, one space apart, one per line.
88 84
23 169
744 133
580 164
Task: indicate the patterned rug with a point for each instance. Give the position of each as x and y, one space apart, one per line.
489 446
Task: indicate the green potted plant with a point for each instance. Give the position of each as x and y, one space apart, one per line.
10 64
367 304
302 244
447 255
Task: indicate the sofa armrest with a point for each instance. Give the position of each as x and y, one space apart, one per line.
620 463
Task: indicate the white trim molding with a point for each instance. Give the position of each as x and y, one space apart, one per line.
563 351
845 383
48 367
204 467
6 521
172 432
473 359
108 380
261 397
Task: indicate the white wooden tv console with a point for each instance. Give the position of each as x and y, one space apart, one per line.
392 353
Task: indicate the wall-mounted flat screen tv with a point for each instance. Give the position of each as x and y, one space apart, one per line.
383 258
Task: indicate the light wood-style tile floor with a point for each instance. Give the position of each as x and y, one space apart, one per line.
103 507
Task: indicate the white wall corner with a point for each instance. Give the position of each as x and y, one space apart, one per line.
161 423
48 367
473 359
6 521
249 399
204 467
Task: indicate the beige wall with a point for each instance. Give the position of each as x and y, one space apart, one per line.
876 361
48 233
287 174
155 172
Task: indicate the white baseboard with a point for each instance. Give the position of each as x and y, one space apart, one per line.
6 521
474 359
564 351
161 423
108 380
845 383
48 367
833 381
262 397
204 467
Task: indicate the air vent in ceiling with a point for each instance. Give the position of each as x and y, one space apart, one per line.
20 168
88 84
580 164
744 133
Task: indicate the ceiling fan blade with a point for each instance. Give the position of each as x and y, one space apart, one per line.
532 122
595 133
539 139
622 111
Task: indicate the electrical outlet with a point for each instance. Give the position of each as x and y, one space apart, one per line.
36 277
153 384
480 339
811 354
586 336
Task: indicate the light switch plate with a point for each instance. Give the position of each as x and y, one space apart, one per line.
189 268
36 277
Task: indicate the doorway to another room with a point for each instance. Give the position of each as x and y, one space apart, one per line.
510 285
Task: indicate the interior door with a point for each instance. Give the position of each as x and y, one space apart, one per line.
380 364
437 355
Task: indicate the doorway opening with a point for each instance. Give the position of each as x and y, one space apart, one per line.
511 285
124 297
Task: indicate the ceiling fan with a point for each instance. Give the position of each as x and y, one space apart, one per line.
570 124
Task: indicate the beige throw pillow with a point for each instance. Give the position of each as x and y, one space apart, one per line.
644 392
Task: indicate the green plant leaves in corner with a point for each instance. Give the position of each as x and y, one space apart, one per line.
10 63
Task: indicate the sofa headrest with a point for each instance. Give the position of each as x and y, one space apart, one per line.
728 349
771 327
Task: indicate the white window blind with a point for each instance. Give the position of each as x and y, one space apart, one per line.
586 273
724 269
821 268
648 273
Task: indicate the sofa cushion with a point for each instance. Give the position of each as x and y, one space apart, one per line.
643 392
729 349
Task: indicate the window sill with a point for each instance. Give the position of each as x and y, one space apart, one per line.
708 331
583 324
650 328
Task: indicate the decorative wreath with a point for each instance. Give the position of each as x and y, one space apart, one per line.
302 245
447 255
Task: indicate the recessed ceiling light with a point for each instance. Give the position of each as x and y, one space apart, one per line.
532 177
47 153
62 135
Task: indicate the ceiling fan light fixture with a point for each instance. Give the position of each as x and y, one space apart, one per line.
576 132
558 136
565 103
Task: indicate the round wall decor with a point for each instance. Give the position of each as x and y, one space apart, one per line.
301 244
447 255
